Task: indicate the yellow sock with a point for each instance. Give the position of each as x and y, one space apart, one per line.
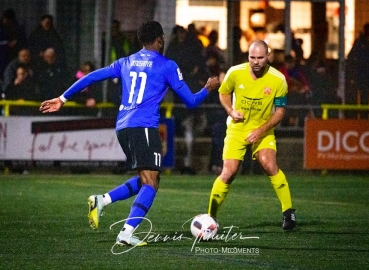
280 186
217 196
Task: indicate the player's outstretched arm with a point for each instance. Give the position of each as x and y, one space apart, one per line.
52 105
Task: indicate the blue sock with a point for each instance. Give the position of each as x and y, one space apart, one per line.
141 205
130 188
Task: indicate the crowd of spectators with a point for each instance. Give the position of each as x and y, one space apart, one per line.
41 55
33 67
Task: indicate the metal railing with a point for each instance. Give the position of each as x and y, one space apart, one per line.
6 104
169 106
342 107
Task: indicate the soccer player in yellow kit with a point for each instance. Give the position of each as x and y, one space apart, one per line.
254 96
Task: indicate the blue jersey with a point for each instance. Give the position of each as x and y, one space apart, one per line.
146 77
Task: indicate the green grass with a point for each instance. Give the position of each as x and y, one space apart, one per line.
43 224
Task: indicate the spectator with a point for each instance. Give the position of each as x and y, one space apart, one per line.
213 50
91 95
52 78
358 70
216 117
16 34
322 87
203 35
238 55
297 50
22 88
298 92
3 52
216 120
23 59
186 49
120 45
45 36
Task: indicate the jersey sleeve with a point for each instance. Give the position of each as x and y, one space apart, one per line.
282 88
176 82
95 76
280 99
227 85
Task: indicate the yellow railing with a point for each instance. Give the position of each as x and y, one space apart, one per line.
343 107
168 106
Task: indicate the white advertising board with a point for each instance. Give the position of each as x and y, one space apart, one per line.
59 138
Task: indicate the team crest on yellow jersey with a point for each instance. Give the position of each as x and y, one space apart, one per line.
267 91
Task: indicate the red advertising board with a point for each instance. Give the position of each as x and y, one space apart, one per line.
336 144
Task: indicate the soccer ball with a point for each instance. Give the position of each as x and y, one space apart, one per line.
204 227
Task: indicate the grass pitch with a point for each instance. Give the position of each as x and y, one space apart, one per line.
43 224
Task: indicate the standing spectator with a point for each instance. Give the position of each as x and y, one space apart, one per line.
358 70
216 117
3 52
297 50
16 35
187 51
298 91
175 48
120 45
322 88
23 59
52 78
45 36
213 50
238 54
203 35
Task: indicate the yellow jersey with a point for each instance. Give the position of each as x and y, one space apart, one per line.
254 98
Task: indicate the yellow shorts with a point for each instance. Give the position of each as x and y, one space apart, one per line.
235 144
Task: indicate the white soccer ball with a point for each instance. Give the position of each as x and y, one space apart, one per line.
204 227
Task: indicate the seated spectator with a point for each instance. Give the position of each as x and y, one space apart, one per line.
23 59
52 78
298 92
22 88
90 95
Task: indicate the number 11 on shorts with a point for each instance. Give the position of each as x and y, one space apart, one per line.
157 159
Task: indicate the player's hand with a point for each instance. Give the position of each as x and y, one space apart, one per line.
236 116
90 102
52 105
253 136
212 83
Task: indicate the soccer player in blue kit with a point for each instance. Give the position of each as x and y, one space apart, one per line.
146 77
